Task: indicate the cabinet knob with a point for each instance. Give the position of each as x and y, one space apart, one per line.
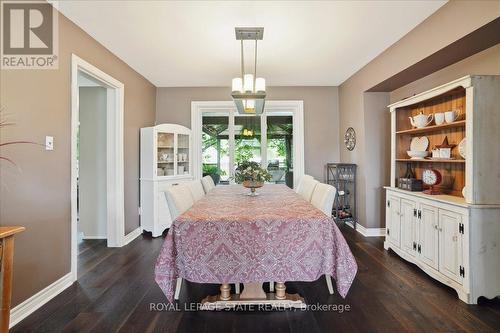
435 226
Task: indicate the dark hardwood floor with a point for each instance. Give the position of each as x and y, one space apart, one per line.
116 287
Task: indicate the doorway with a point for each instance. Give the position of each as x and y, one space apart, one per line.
97 198
91 161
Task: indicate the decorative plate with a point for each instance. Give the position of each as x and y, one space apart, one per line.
461 148
419 143
350 138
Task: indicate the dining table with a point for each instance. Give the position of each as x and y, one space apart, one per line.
230 237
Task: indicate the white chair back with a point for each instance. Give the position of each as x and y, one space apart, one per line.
323 197
196 189
306 187
300 185
179 200
208 183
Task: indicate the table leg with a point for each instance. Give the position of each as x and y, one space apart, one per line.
225 292
7 251
253 291
280 290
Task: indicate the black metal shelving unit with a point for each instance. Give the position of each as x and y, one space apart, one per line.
343 177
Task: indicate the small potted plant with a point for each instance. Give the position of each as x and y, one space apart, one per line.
212 171
251 176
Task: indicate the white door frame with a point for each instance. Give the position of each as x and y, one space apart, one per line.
114 150
296 108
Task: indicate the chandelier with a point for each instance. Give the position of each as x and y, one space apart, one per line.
249 91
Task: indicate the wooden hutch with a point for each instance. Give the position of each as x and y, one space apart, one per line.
454 238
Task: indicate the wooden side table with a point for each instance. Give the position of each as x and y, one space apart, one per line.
6 258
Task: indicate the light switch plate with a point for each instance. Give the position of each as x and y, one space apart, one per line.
49 143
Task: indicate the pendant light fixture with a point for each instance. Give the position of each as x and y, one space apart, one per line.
249 91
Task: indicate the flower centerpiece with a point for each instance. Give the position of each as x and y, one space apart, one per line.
251 176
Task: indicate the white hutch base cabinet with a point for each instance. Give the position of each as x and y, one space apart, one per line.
453 239
166 156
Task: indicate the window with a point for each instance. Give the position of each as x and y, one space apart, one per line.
215 147
247 139
223 138
280 149
247 133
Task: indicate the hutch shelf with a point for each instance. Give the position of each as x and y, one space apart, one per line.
406 160
451 236
434 128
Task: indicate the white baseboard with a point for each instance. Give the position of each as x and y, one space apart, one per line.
368 232
131 236
33 303
94 237
30 305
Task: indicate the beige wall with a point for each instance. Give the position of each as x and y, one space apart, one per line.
485 62
36 193
173 105
451 22
377 121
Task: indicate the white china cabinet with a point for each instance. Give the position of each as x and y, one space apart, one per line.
166 156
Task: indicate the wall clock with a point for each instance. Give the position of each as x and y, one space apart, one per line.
350 138
431 177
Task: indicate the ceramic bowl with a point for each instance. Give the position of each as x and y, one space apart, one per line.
417 154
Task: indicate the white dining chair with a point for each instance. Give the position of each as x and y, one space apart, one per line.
208 183
300 185
306 187
179 199
322 198
196 189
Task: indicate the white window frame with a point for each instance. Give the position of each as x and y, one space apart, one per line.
295 108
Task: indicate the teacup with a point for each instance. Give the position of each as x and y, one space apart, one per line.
439 118
451 116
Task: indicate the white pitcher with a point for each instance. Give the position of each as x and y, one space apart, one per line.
421 120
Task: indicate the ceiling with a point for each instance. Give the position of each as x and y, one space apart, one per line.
192 43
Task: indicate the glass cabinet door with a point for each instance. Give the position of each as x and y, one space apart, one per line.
165 154
183 162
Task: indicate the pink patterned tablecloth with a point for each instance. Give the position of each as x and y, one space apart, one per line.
229 237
